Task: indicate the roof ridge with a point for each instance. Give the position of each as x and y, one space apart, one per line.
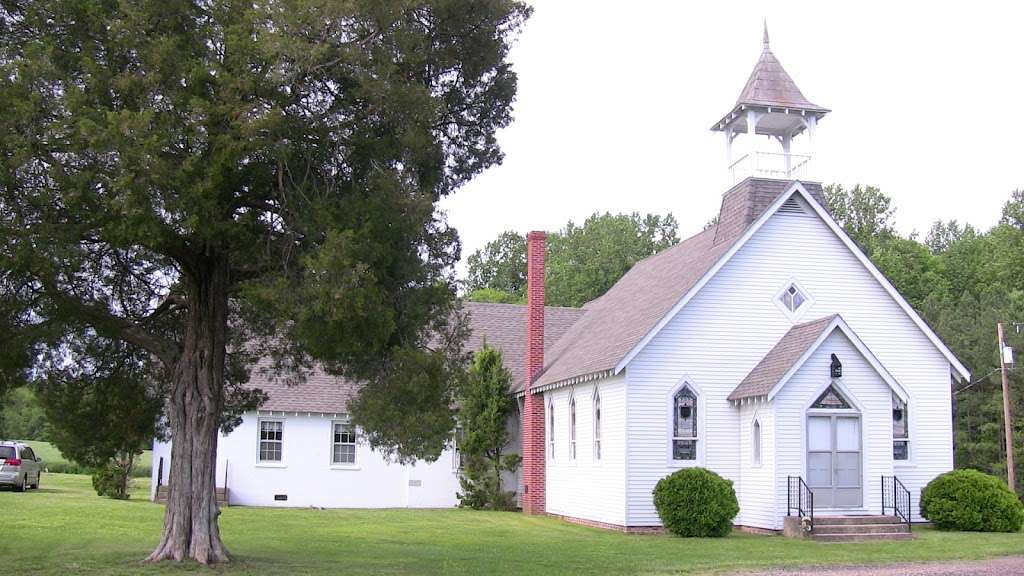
476 303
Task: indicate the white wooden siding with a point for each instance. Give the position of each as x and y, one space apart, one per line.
866 389
755 490
729 326
308 478
587 488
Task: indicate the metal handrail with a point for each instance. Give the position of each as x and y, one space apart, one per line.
896 497
800 498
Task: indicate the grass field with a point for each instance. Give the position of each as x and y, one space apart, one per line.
65 529
54 460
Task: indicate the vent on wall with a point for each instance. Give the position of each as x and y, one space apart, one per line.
280 497
791 206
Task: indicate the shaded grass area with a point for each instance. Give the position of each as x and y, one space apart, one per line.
65 528
55 462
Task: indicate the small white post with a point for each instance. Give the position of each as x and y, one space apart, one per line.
812 123
786 141
752 118
728 146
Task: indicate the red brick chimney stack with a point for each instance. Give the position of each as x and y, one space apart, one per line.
533 407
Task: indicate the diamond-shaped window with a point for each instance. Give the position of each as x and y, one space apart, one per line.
792 298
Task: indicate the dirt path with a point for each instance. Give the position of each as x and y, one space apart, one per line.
1010 566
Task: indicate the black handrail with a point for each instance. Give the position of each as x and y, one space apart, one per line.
800 498
896 497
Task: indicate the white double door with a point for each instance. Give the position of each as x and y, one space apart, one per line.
835 460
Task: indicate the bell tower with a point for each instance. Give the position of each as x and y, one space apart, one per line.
770 106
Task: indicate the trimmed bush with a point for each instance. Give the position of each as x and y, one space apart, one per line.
969 500
696 502
111 480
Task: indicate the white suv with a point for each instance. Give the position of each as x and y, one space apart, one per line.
19 466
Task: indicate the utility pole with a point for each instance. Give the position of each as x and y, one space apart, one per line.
1011 475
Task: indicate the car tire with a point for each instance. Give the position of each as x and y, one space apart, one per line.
39 476
24 484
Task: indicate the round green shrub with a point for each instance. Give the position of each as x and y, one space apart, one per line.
969 500
696 502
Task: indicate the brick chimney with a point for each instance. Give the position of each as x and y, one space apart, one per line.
533 407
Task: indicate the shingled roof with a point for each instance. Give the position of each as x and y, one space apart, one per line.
781 358
770 85
617 321
502 326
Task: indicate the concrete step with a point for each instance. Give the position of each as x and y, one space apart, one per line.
871 536
854 520
830 529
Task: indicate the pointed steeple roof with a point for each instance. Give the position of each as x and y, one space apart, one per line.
770 85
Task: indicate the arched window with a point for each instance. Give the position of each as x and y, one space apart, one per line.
572 428
900 430
757 442
551 429
597 425
684 425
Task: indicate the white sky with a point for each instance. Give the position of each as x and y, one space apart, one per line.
616 100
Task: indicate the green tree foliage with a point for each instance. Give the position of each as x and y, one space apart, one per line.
864 212
696 502
22 416
214 182
500 266
494 296
103 409
486 408
583 261
971 501
963 282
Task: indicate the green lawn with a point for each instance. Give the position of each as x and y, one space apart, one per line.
53 458
65 529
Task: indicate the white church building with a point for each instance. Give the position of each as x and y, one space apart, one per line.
766 348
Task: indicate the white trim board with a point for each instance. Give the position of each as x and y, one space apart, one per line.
798 188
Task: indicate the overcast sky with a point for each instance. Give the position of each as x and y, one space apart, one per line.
616 100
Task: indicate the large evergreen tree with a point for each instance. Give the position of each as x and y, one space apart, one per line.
208 182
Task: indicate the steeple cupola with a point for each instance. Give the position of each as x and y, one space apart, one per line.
770 105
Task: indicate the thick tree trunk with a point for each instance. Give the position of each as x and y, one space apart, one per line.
190 522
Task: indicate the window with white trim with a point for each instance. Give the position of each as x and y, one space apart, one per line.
271 440
792 298
756 440
551 429
343 444
597 425
572 428
684 425
900 430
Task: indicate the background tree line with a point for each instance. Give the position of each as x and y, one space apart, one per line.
962 280
583 261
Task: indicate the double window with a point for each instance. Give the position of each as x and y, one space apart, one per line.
343 444
900 430
684 425
271 440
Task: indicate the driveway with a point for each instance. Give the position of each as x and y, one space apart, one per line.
995 567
